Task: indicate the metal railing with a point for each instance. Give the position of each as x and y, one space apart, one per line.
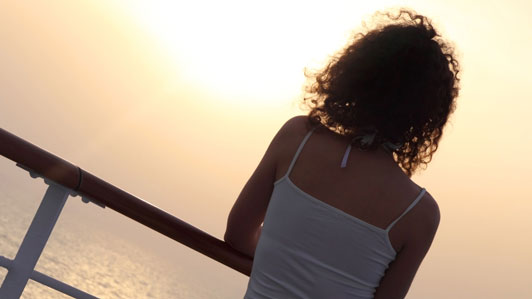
64 180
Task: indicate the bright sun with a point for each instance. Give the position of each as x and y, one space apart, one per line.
242 50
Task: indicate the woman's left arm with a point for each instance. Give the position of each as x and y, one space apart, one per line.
246 216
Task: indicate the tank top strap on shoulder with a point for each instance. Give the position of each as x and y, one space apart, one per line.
413 204
299 149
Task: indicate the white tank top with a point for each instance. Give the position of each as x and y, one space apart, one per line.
310 249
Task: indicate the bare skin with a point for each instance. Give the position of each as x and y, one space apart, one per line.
372 188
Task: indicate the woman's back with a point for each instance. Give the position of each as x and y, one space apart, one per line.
387 96
371 187
328 235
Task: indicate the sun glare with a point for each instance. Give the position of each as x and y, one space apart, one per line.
245 51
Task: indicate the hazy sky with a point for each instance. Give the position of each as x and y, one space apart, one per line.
176 102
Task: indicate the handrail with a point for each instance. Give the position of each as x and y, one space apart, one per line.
88 185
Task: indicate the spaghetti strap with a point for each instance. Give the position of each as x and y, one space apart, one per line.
418 198
296 155
346 155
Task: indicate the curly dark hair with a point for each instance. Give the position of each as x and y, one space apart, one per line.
399 79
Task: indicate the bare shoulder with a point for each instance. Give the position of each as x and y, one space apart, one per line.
431 209
420 227
427 217
297 125
286 142
292 132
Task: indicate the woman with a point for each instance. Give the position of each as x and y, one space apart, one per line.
342 218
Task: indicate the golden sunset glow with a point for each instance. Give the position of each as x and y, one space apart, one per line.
176 102
245 51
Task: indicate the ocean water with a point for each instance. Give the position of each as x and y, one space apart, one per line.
99 261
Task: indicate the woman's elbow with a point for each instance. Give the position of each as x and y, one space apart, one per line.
245 244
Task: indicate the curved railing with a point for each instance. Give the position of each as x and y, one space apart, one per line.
72 177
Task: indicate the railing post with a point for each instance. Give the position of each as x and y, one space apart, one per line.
34 242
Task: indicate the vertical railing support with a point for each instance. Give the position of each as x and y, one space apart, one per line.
34 242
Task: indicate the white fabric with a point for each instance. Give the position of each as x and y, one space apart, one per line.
310 249
346 155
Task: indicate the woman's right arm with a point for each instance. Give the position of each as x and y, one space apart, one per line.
401 272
